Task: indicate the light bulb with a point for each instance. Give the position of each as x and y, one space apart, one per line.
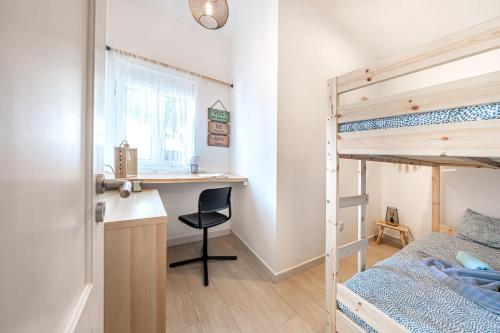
208 8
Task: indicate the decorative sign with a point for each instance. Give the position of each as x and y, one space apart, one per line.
218 140
218 128
218 115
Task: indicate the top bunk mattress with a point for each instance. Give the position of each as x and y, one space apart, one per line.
405 290
454 115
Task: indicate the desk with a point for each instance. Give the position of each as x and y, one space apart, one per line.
172 178
134 262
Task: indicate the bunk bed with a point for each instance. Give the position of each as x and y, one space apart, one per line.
451 124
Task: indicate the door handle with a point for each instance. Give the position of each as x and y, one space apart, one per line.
103 184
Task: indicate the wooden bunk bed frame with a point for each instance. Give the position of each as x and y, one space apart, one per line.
463 144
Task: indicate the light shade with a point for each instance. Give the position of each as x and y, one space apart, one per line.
212 14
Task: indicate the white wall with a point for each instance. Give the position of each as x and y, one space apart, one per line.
312 50
469 188
165 31
254 57
461 188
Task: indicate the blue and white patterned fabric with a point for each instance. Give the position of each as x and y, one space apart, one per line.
404 289
455 115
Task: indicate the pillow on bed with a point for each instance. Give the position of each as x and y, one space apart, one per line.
479 228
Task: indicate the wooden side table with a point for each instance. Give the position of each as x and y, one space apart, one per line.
403 231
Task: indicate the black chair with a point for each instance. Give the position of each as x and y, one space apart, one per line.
210 202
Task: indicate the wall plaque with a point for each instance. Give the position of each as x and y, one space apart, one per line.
218 128
218 140
218 115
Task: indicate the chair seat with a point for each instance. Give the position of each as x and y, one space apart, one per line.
208 219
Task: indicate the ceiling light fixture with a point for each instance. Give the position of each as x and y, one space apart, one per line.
211 14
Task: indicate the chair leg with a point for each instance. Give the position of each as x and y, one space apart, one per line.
205 271
222 257
185 262
204 258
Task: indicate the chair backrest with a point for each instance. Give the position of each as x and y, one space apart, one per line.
215 199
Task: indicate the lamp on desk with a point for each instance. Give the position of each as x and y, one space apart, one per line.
125 161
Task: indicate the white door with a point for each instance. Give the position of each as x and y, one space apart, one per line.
51 70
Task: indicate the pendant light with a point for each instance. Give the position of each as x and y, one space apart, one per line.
211 14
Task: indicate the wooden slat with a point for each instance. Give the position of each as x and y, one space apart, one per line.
368 312
474 40
479 138
469 162
447 229
436 198
346 325
471 91
352 247
483 161
388 159
353 201
362 214
332 210
449 161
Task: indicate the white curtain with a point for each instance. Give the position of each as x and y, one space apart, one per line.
153 108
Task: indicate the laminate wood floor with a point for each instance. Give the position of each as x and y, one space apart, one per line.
241 299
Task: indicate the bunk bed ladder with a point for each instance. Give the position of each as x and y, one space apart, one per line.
333 204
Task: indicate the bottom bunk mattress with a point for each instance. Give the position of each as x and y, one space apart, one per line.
404 289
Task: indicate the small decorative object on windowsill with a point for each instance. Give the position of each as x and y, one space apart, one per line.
125 161
391 216
194 164
218 126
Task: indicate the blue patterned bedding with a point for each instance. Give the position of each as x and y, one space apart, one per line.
455 115
406 291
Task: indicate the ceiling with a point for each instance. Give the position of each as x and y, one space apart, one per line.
383 27
388 27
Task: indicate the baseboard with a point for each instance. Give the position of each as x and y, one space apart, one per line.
276 277
268 271
285 274
196 238
300 268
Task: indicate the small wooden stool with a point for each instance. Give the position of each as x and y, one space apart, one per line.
403 230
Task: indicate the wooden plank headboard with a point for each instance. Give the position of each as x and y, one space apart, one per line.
448 229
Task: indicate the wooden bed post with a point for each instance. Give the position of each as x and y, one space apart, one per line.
332 208
361 214
436 198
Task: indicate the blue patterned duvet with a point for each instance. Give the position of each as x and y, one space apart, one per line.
405 290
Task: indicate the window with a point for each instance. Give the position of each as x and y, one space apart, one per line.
153 108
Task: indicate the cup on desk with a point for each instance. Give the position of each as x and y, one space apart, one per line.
136 186
194 168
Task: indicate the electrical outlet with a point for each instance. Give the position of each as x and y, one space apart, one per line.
341 226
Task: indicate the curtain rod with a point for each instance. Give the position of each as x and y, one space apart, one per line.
109 48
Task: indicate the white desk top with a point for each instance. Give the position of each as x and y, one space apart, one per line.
145 206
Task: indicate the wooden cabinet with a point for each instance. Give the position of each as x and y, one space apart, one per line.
135 263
